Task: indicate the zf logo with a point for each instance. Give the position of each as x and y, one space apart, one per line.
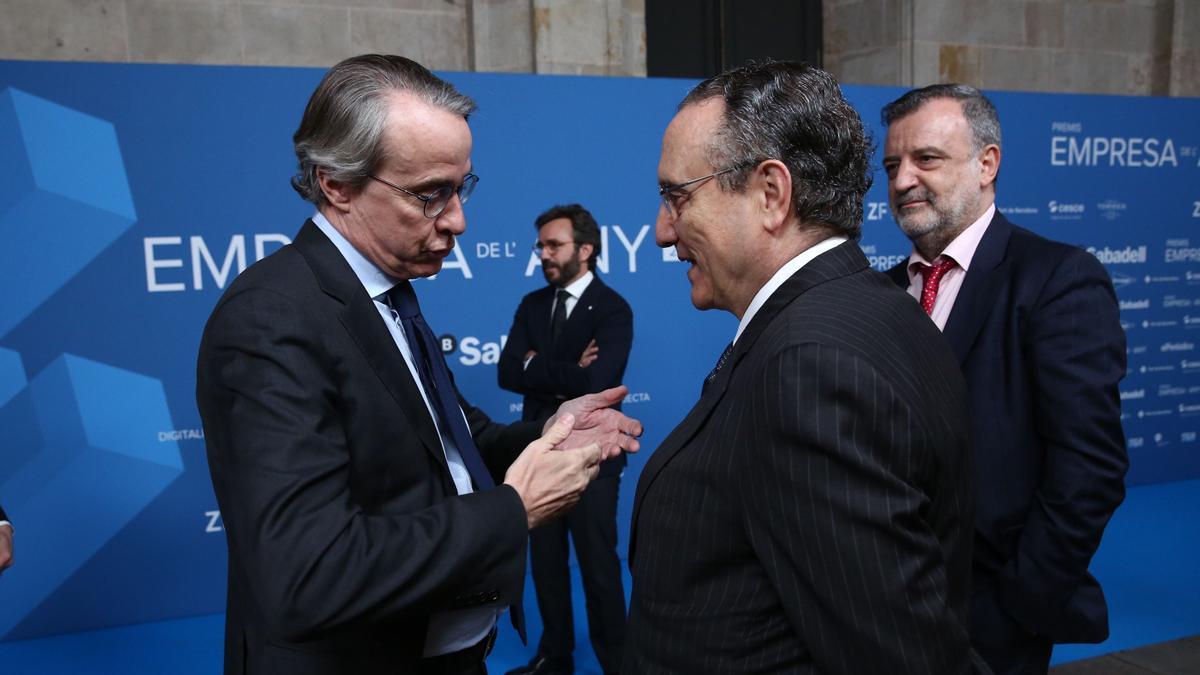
1196 209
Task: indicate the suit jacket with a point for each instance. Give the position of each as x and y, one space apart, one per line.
812 511
554 374
344 528
1036 330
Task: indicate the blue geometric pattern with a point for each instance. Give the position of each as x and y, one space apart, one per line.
86 462
65 198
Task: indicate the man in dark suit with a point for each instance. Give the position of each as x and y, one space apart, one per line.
356 485
812 512
6 543
569 339
1034 326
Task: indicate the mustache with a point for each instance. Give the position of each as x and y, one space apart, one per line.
916 195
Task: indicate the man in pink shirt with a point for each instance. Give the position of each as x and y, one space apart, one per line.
1034 325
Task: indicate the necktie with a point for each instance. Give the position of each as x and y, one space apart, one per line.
435 378
558 318
932 275
717 368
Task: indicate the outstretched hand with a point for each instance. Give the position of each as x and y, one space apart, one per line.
596 422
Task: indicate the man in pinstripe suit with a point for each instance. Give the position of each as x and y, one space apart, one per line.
812 513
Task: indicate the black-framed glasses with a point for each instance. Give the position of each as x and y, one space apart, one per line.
673 196
435 202
551 246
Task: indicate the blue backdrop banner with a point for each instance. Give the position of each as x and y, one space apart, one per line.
133 194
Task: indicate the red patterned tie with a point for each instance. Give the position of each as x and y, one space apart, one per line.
933 278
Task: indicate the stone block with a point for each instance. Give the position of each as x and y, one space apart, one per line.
1091 72
1185 73
856 27
634 43
569 35
184 32
64 30
970 22
450 6
1112 27
503 35
438 41
1045 24
877 66
1016 68
276 35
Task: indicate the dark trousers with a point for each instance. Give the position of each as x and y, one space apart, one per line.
592 525
1003 643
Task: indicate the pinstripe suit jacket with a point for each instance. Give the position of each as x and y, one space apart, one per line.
812 513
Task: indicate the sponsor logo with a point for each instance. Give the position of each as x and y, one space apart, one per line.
1120 279
1119 256
1169 390
1019 210
1065 211
1110 209
1161 368
1133 394
1112 151
1128 326
1162 412
1189 408
1175 301
1165 278
1189 366
1160 323
1191 321
1177 347
876 210
1135 441
1187 437
1130 305
1140 349
181 435
1196 209
474 350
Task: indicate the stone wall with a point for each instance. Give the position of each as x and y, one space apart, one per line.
1146 47
601 37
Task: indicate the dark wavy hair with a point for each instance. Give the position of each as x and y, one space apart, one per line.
977 109
794 113
584 229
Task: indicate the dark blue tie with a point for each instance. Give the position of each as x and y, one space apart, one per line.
717 368
435 378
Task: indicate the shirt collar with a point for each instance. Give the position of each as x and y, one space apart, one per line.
373 279
577 287
961 250
781 275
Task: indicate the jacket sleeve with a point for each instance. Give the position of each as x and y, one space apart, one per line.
511 370
273 401
614 338
1077 359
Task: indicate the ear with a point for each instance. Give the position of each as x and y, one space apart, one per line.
337 193
989 164
773 185
585 251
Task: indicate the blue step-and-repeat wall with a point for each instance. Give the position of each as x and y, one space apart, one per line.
133 194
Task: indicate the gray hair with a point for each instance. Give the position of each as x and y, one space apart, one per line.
977 109
794 113
343 123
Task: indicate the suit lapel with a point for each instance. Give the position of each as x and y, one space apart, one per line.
841 261
977 296
580 318
361 320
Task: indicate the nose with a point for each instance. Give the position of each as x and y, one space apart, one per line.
453 218
664 228
904 179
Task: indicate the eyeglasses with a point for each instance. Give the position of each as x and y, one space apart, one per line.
435 202
551 246
673 196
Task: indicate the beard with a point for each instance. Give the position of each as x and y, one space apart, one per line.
559 274
944 214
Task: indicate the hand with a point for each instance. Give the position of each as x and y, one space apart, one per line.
6 547
589 354
596 423
549 480
529 355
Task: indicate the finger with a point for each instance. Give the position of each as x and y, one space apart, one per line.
610 396
559 431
